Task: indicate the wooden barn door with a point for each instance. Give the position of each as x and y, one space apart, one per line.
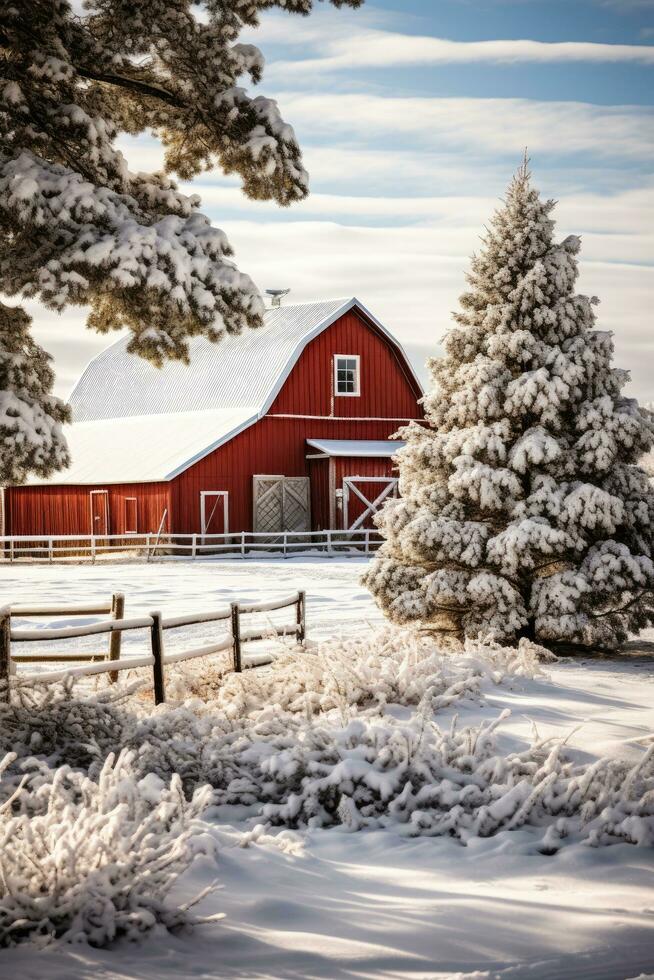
296 503
281 503
363 496
99 502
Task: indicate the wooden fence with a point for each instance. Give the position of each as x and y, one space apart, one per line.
156 625
243 544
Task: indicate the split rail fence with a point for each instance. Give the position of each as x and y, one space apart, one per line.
244 544
112 663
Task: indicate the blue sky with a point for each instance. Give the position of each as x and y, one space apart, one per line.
412 122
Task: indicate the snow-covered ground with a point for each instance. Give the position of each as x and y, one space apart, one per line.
326 903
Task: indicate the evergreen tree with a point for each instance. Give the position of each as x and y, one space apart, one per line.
77 227
523 512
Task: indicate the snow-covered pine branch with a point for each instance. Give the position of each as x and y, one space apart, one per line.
524 511
78 227
31 438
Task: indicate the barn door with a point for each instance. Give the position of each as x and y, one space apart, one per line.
363 496
214 512
296 503
281 503
99 500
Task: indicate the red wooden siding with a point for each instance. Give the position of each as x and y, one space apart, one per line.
387 389
67 510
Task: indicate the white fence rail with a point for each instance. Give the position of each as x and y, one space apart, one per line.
156 625
243 544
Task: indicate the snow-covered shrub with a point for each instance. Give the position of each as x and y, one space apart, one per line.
381 772
88 861
390 666
375 770
62 724
315 740
340 735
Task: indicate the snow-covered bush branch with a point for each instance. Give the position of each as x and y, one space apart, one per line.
523 510
78 227
90 861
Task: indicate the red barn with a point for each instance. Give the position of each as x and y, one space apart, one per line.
283 428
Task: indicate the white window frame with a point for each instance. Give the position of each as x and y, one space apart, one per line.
203 509
136 515
357 377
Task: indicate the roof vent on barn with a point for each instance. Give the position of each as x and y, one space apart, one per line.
276 295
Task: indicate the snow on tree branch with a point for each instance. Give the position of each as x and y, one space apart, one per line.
77 226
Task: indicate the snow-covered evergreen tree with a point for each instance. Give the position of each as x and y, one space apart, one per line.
76 226
523 512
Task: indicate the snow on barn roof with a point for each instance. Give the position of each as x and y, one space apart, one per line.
146 448
247 370
368 448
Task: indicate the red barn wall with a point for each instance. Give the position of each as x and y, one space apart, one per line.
66 509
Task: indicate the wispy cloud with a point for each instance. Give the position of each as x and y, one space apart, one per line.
374 48
498 126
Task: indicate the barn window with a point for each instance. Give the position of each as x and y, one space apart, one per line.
131 518
346 374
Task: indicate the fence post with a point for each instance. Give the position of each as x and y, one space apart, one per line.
5 652
284 546
11 551
236 637
242 544
117 612
367 542
301 616
156 640
329 542
93 549
50 550
194 546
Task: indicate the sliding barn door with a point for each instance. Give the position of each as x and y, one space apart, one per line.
281 503
296 503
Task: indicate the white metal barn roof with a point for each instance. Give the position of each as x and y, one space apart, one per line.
368 448
246 370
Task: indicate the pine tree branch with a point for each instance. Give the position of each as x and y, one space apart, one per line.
134 85
627 605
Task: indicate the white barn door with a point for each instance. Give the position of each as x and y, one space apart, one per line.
281 503
363 497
